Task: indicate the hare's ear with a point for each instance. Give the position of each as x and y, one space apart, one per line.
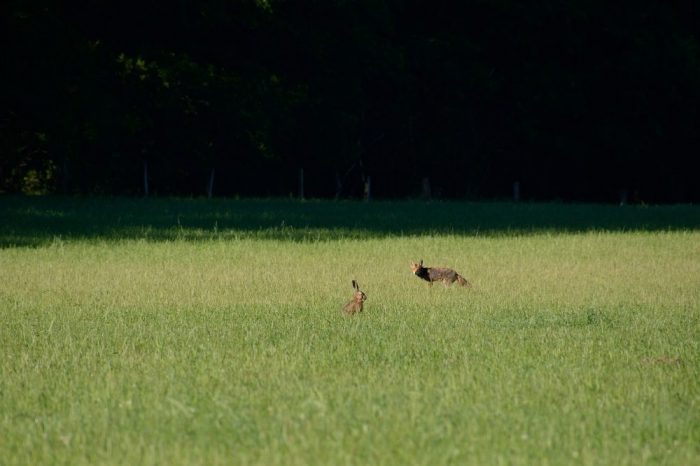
421 263
355 285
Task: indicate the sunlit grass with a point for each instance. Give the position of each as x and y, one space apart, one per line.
572 348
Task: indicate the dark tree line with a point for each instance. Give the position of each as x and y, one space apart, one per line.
576 100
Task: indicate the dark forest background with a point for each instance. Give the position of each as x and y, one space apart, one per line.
575 100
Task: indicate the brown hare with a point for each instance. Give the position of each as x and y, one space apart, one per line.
354 306
435 274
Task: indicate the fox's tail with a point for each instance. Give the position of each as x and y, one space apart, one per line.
462 281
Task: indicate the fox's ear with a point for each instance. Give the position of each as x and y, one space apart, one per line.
421 263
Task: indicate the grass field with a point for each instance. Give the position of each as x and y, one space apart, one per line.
207 332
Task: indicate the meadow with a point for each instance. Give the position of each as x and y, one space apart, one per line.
193 331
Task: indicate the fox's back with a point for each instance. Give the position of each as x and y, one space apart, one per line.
434 274
439 273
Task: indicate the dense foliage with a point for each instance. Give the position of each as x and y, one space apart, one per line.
576 100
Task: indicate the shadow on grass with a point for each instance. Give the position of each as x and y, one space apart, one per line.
34 221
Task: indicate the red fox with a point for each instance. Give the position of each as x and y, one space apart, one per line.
435 274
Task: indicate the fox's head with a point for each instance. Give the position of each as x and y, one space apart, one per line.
416 267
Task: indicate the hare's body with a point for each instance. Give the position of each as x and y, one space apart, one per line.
354 306
438 274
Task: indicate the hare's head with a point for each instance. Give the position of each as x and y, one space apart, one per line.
359 296
416 267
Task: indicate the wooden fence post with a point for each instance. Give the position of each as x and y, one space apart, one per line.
301 184
210 185
623 197
145 178
425 188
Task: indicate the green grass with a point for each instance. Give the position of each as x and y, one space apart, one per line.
27 221
197 332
